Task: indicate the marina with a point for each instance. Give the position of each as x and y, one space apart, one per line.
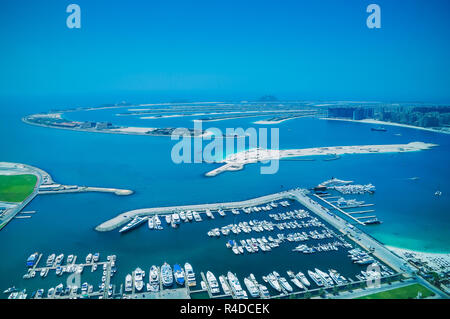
277 218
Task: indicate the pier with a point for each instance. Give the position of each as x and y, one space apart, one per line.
126 217
340 210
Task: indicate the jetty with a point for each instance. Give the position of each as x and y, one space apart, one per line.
126 217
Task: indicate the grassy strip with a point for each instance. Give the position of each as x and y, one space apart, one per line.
408 292
16 188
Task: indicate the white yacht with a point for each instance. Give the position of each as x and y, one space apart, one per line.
139 279
236 286
190 275
128 283
251 287
225 287
212 282
153 279
301 276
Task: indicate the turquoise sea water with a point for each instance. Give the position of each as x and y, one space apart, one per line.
412 216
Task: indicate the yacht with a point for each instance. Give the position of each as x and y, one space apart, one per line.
183 216
197 217
316 278
225 287
166 274
212 282
337 277
236 286
221 213
168 219
272 280
70 259
189 215
297 282
251 287
88 258
133 224
139 279
285 284
178 273
263 292
190 275
327 279
301 276
175 218
235 212
153 279
128 283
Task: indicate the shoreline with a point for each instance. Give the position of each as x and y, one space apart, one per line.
372 121
437 262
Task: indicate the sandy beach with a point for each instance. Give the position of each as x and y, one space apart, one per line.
436 262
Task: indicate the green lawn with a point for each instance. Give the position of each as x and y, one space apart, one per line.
15 188
408 292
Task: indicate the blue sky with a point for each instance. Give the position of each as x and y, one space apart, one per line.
318 49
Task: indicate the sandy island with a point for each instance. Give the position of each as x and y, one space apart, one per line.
237 161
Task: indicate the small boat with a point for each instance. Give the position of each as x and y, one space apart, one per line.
59 259
209 214
32 260
168 218
10 290
50 260
88 258
151 223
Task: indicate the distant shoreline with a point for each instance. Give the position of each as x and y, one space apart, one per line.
371 121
